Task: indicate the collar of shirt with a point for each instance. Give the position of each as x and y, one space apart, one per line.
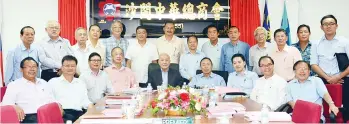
237 43
117 41
298 46
62 78
266 45
164 71
37 81
271 78
297 81
23 48
210 76
77 48
196 52
171 41
59 39
286 48
210 44
146 44
93 73
323 38
244 73
89 44
115 68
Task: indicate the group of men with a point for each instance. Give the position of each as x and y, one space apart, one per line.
271 74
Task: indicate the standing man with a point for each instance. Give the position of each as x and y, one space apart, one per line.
284 56
324 63
212 48
81 51
54 47
95 43
258 50
233 47
170 44
140 55
115 40
190 61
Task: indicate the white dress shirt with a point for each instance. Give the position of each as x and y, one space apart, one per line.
82 57
96 85
271 91
213 52
71 95
141 57
100 49
55 50
28 95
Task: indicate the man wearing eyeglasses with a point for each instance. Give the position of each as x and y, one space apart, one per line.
271 88
54 47
81 51
323 60
97 81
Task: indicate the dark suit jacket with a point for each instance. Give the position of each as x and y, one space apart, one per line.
155 78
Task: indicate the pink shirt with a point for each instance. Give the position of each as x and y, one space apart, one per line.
122 78
284 61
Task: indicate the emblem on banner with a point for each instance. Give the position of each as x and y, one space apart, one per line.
109 10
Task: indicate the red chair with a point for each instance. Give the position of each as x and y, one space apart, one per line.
50 113
335 91
306 112
8 115
2 93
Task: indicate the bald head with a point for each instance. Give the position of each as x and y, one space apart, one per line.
81 35
164 61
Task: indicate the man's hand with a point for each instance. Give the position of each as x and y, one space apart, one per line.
335 79
333 109
20 112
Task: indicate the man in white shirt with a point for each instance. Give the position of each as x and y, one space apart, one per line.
28 93
94 41
212 48
259 50
54 47
139 55
69 91
271 88
170 44
81 51
97 81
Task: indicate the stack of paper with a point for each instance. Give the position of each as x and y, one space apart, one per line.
226 108
273 116
224 90
118 121
112 112
116 101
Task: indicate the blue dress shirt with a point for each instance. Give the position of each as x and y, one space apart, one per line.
189 63
228 50
213 80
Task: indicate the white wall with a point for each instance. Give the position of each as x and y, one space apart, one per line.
19 13
307 12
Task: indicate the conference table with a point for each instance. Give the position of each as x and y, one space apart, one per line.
249 104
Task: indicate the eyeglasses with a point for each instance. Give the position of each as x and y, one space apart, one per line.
328 24
95 60
268 65
30 67
57 28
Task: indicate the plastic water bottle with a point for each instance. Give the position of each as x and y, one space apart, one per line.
149 88
265 114
184 85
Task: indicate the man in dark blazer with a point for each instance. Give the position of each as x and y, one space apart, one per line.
164 75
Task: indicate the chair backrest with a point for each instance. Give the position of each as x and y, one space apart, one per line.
335 91
306 112
49 113
2 93
223 74
153 66
8 114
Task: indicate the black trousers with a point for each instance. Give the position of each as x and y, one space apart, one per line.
345 96
30 118
71 114
48 74
143 85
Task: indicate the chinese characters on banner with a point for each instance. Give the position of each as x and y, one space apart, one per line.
174 13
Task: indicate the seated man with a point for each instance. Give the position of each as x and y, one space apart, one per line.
206 78
165 75
28 93
271 88
120 76
69 91
242 78
97 81
308 88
